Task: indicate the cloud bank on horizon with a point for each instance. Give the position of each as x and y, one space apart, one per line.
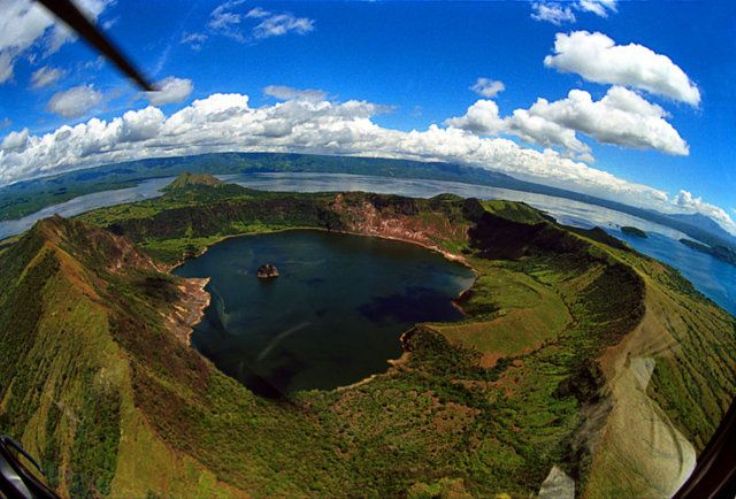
550 141
226 122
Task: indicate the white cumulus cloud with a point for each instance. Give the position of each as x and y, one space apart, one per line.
622 117
171 89
536 129
597 58
15 141
482 118
486 87
137 126
75 101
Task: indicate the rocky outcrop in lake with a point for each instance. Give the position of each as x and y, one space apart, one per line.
267 271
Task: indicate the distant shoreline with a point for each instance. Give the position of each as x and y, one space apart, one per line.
43 190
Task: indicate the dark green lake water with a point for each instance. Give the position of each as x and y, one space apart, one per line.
333 317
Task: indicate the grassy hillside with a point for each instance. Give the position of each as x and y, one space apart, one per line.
67 382
575 352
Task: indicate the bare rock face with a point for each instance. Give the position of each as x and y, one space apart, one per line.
557 485
267 271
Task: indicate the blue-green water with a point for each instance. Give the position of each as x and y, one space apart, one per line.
333 317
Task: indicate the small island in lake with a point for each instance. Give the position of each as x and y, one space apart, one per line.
634 231
267 271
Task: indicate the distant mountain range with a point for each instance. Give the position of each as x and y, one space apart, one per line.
706 223
26 197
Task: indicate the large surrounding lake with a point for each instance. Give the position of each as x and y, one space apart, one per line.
333 317
714 278
146 189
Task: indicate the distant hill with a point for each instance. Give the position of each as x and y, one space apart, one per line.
29 196
720 252
705 223
186 179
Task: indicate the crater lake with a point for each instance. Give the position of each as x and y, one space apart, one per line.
334 315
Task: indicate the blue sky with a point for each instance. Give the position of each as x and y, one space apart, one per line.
405 66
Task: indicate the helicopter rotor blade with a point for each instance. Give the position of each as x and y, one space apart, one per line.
66 11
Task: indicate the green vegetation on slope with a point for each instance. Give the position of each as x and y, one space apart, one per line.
65 388
531 378
186 180
515 211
